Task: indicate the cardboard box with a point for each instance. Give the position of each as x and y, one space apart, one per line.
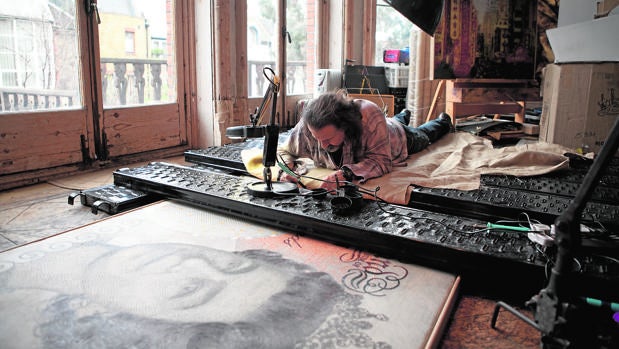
580 104
591 41
384 102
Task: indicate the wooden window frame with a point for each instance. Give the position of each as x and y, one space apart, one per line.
77 145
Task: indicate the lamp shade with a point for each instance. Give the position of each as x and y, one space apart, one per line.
425 14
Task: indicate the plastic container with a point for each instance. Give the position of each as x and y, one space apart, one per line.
391 56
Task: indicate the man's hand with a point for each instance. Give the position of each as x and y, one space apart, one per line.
285 177
330 182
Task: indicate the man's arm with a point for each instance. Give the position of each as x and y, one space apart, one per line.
295 147
375 159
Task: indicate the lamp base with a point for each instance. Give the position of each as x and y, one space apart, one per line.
260 189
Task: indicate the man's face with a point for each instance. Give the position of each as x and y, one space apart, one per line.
330 137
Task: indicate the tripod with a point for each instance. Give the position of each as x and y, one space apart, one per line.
563 317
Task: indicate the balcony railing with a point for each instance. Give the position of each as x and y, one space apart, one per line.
124 82
13 99
132 81
296 80
138 81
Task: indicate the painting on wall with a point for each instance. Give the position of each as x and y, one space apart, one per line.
493 39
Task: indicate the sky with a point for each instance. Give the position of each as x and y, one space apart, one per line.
154 11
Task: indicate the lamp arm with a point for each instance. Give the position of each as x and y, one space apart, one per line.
271 136
271 92
567 225
256 118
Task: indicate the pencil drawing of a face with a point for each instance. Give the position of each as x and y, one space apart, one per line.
171 295
183 284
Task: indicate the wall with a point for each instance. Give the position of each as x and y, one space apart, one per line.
204 73
576 11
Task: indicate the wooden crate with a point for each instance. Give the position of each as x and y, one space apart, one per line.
385 102
466 97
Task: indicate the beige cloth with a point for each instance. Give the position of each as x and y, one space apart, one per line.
456 161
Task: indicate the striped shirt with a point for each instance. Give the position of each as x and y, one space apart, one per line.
383 145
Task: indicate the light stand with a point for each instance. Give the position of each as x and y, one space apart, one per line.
557 308
265 188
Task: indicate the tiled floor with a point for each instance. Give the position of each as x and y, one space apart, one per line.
31 213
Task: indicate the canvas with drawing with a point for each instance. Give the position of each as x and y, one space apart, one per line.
171 275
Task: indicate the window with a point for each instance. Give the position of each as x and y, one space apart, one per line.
129 42
262 37
300 24
38 52
392 31
81 83
143 71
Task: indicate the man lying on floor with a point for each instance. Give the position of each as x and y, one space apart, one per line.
398 158
354 138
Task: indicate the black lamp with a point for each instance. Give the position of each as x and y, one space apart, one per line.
270 132
426 14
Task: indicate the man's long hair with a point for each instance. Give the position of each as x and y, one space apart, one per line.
335 108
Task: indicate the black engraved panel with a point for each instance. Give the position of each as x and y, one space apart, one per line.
444 240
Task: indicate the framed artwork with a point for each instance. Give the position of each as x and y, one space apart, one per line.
498 39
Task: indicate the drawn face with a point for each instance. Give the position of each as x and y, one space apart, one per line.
182 283
329 137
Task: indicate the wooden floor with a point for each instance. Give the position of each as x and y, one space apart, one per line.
35 212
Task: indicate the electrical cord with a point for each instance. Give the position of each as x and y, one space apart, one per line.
524 223
64 186
379 202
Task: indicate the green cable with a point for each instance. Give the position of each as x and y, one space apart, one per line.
507 227
599 303
286 169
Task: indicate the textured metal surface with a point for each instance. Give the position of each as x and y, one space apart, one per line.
112 199
563 184
541 197
501 203
414 235
227 157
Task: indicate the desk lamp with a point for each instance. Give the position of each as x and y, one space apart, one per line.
270 132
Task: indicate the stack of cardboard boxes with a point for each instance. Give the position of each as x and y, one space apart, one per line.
581 104
581 89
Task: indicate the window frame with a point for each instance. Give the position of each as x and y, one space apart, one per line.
212 77
286 104
42 144
130 46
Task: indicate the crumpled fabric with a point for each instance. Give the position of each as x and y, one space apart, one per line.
456 161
